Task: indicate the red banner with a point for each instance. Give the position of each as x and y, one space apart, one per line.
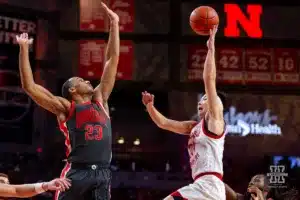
92 17
230 65
286 69
196 58
91 54
125 67
125 10
258 66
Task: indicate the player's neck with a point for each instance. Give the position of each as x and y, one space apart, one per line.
82 99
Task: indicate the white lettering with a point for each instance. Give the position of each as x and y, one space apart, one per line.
251 122
17 25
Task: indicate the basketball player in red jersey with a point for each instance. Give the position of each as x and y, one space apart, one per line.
30 190
206 139
83 117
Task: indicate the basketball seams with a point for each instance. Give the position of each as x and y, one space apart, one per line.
203 19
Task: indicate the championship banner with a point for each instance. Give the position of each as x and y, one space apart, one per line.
125 11
92 17
286 66
258 66
15 104
195 62
92 58
125 68
229 63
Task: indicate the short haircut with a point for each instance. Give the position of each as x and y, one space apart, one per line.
65 89
3 175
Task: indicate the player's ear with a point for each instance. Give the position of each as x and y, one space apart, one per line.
72 90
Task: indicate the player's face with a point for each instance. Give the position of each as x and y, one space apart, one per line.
202 106
259 182
82 86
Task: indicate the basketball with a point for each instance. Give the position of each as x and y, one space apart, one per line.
202 19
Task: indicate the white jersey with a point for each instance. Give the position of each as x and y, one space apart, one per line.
205 150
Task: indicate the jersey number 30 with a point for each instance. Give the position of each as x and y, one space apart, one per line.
93 132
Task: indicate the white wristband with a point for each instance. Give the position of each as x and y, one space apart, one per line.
39 188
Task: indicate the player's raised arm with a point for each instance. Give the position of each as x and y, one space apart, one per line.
103 90
180 127
29 190
38 93
215 107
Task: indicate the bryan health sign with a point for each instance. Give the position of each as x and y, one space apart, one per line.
251 122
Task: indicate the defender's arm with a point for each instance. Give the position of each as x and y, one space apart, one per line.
104 89
231 194
38 93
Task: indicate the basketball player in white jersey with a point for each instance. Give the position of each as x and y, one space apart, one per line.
206 138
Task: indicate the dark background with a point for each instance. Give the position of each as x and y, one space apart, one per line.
160 34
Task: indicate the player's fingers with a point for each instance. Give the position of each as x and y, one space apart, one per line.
66 184
30 41
253 196
252 189
69 182
60 183
104 6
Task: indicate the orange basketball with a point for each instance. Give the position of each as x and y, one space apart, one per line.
202 19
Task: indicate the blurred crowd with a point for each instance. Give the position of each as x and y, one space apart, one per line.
32 167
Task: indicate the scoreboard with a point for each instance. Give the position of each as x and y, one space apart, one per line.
247 65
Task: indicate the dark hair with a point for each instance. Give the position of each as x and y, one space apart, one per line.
3 175
65 89
223 97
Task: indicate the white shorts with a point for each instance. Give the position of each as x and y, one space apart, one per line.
207 187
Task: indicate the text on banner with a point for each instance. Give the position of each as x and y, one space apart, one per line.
196 59
125 11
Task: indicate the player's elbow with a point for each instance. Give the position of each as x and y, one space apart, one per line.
164 124
28 87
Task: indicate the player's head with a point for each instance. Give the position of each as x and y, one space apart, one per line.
203 106
4 178
261 182
76 86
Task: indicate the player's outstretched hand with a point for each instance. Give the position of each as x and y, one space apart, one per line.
211 40
60 184
113 17
23 40
147 98
256 193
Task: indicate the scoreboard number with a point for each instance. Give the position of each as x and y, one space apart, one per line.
258 63
286 64
197 61
229 61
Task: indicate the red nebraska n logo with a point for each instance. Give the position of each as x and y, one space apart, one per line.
250 22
